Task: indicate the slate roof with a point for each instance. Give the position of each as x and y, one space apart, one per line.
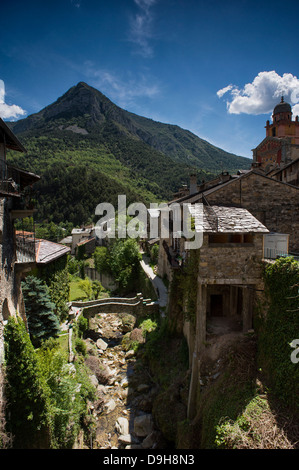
47 251
213 219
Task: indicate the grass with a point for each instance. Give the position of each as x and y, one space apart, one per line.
76 293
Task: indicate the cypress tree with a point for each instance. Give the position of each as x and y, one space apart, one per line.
42 321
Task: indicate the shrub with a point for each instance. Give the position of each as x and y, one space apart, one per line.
279 327
28 405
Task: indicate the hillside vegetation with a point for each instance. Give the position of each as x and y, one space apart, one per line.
87 150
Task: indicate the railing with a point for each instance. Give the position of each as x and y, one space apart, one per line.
9 178
25 247
272 253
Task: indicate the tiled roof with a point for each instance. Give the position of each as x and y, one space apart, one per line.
214 219
87 240
47 251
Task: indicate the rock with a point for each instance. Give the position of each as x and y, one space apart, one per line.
143 425
122 425
126 439
128 322
101 344
94 380
137 335
129 354
134 446
110 406
149 441
125 382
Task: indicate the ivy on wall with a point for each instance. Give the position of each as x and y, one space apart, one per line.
183 288
278 327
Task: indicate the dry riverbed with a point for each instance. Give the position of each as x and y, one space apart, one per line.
125 390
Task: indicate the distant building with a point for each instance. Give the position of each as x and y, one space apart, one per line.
84 236
288 173
281 145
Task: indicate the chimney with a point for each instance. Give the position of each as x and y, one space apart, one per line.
193 184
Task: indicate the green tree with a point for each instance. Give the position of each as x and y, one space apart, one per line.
120 260
96 287
86 286
42 321
101 259
27 403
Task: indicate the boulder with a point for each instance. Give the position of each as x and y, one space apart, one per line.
143 425
149 441
110 405
126 439
128 323
130 353
122 426
101 344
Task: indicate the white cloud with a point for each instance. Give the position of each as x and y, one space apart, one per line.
221 92
141 27
123 90
260 96
8 111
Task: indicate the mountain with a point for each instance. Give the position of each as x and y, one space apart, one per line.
88 150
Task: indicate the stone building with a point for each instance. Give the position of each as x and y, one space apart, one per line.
274 203
17 251
288 173
281 145
238 213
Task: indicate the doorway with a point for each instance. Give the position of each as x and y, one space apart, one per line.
216 305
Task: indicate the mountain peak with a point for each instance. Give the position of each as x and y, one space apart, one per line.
79 100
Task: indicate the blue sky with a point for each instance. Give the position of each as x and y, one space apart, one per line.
216 68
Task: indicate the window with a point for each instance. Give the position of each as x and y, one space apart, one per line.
229 238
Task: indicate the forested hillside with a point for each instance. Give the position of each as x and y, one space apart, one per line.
87 150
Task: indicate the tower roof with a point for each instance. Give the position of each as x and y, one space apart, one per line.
282 107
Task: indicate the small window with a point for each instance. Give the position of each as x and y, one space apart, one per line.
227 238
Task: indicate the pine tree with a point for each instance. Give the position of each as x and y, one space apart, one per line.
42 321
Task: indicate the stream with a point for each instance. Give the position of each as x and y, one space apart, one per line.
125 389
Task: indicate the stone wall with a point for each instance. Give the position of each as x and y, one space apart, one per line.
11 299
136 306
106 280
273 203
231 263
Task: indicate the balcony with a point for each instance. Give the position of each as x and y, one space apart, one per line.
13 180
25 247
23 207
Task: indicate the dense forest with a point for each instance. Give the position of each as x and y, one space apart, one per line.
87 151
